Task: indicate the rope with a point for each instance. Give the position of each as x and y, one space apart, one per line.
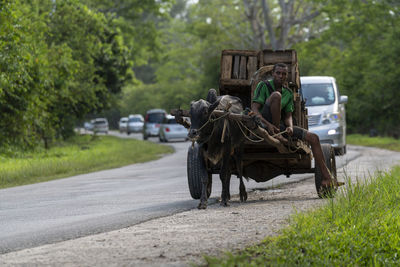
210 120
240 124
260 139
275 135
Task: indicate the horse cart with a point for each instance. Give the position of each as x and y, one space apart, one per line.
263 157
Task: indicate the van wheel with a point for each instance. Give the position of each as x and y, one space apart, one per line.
340 151
145 137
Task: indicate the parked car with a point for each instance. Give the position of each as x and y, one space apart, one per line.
135 123
100 125
170 130
152 122
88 126
326 110
123 124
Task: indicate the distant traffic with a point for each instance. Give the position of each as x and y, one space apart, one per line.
156 123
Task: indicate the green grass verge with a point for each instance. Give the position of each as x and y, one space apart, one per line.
381 142
358 228
81 154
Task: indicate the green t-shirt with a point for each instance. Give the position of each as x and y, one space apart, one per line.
261 94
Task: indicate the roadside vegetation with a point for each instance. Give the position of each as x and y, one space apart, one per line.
380 142
80 154
359 227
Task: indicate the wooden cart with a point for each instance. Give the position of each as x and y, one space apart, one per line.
263 158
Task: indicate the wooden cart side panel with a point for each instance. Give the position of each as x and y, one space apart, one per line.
248 53
243 68
226 66
235 72
281 56
251 66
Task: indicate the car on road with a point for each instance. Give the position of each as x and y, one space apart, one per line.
171 130
135 123
326 110
100 125
152 122
123 124
88 126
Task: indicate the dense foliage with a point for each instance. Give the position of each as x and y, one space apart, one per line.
63 60
354 41
361 50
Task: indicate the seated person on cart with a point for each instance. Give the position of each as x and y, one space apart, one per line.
271 99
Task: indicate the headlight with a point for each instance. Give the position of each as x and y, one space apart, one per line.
332 132
330 118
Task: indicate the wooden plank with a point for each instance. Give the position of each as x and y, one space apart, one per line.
242 68
294 56
271 156
293 74
251 67
297 106
226 67
247 53
235 72
238 82
270 57
305 119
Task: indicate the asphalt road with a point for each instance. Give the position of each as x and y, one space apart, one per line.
83 205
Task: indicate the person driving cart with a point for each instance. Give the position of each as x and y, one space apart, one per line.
273 105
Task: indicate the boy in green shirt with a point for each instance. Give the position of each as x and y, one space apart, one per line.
273 104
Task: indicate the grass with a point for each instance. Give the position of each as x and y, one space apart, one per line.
360 227
381 142
81 154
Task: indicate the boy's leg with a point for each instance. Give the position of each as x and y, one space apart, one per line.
273 106
313 139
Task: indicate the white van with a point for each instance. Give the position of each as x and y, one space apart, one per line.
326 110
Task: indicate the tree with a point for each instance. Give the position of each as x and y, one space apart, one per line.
360 49
58 61
284 22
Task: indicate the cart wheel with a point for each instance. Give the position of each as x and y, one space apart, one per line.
330 161
196 171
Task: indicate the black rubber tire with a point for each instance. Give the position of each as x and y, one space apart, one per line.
330 161
340 151
196 171
145 137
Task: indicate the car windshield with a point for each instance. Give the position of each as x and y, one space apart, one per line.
317 94
99 122
155 117
135 120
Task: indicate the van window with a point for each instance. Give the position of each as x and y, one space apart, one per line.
155 117
317 94
135 119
